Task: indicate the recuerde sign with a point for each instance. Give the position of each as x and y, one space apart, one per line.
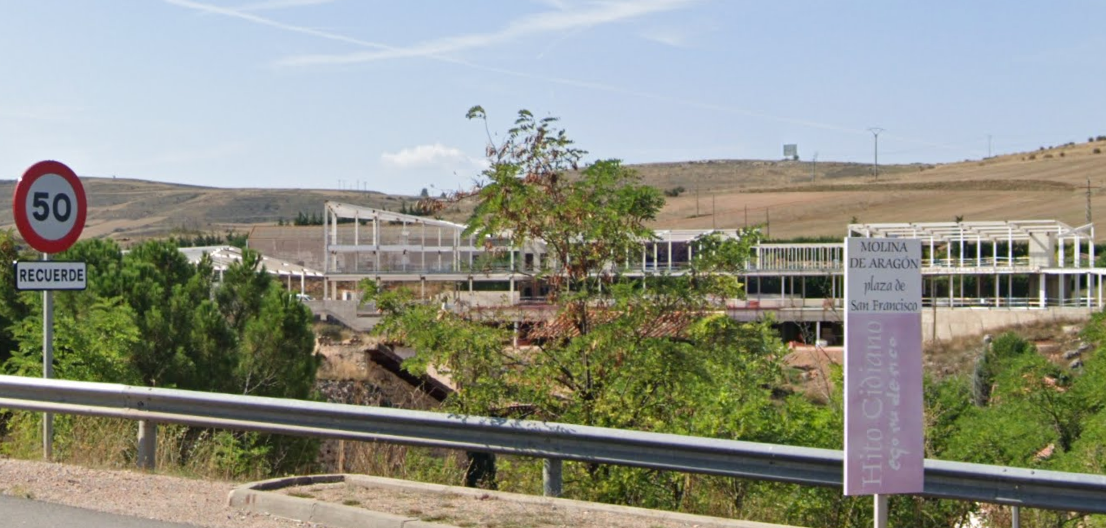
50 275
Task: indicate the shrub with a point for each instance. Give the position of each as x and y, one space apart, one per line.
1048 155
1097 150
674 192
1032 156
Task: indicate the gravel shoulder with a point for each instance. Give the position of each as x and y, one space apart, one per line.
158 497
204 503
438 505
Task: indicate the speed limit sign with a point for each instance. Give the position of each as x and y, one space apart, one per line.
50 206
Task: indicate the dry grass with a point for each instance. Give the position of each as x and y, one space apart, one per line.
1000 188
952 357
1050 183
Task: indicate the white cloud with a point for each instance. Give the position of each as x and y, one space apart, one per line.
563 19
267 5
670 36
39 112
555 4
548 18
255 19
436 156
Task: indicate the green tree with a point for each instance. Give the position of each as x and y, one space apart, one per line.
14 306
244 284
277 349
149 317
650 353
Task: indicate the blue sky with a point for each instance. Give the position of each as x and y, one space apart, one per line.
372 94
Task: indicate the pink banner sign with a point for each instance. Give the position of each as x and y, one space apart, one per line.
884 449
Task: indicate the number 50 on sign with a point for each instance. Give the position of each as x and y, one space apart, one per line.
49 206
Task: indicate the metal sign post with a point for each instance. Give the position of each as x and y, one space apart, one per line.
47 365
50 207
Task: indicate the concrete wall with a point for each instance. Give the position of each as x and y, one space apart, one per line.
300 244
345 312
481 299
959 322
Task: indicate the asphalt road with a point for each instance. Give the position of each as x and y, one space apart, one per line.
24 513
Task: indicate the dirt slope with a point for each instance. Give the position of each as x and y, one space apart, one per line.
791 197
1050 184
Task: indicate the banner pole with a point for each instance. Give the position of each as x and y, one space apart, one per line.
880 512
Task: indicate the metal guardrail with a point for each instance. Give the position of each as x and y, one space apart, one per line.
554 441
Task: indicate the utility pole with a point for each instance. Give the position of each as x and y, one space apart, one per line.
875 136
813 167
988 145
1088 200
713 223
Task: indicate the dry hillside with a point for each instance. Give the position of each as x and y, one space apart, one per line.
125 208
793 198
1048 184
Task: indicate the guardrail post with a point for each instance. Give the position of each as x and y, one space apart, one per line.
551 477
147 445
1016 516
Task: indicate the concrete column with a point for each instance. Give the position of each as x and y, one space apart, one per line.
1090 248
952 288
1100 291
1042 288
1061 283
998 291
1090 286
147 445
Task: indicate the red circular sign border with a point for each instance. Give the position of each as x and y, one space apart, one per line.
19 202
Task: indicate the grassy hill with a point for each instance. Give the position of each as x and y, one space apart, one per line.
792 198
